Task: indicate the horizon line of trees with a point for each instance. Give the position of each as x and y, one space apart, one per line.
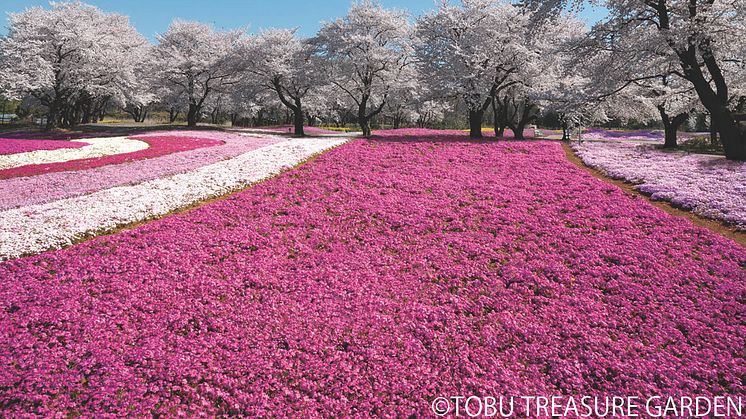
510 63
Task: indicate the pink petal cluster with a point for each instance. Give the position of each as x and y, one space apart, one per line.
708 185
159 146
373 279
13 146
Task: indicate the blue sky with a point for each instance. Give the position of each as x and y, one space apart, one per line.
153 17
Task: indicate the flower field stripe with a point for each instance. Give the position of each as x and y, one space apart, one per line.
47 187
35 228
157 146
710 186
372 279
96 147
14 145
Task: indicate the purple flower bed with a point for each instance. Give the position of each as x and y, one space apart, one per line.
19 192
13 146
634 135
373 279
708 185
609 134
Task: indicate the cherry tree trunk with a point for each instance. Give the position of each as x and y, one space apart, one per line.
732 132
475 123
518 131
671 126
671 130
298 120
53 117
565 131
499 116
363 118
365 127
671 140
192 115
733 137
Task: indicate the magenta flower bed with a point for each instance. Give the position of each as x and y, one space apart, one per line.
12 145
159 146
373 279
23 191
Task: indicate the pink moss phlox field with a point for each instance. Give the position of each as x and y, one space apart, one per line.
23 191
159 146
369 281
708 185
12 145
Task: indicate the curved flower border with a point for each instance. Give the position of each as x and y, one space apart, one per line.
36 228
96 147
48 187
156 146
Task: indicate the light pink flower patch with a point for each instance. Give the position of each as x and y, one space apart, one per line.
710 186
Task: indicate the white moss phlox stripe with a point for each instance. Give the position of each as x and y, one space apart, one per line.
97 147
36 228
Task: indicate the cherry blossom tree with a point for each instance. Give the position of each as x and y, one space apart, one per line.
143 92
575 101
366 53
641 77
698 35
547 79
428 113
287 65
675 102
170 99
245 99
198 61
472 51
72 59
403 98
